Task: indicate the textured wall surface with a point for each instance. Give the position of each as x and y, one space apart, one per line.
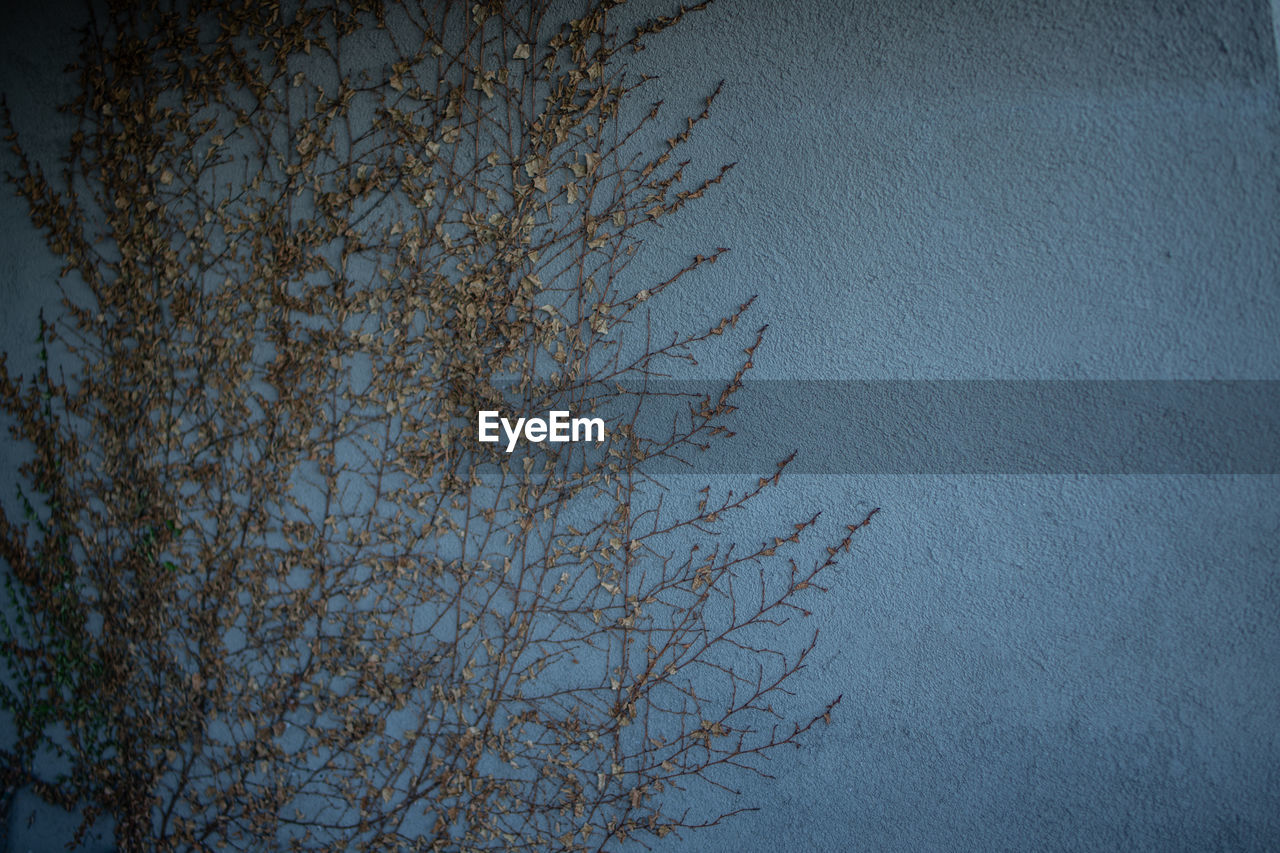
933 190
1015 190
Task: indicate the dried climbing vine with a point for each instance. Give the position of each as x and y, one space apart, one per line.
269 591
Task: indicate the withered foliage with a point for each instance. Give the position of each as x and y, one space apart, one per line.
270 591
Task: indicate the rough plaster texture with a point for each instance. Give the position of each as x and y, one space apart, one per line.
983 190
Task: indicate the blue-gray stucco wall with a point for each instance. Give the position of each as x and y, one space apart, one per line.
931 190
1015 190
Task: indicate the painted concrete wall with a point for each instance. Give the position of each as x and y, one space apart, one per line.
1082 190
1015 190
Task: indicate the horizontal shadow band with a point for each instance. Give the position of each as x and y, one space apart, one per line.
950 426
